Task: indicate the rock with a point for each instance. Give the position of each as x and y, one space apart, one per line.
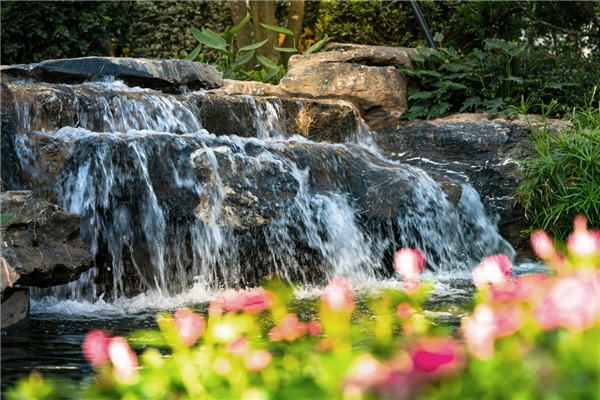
166 75
254 189
373 55
17 72
483 154
377 92
15 310
362 75
42 242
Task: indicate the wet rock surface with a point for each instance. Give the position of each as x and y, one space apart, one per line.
167 75
41 242
483 154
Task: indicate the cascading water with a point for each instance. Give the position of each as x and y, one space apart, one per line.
164 203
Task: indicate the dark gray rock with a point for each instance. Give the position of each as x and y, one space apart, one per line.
15 310
483 154
166 75
41 242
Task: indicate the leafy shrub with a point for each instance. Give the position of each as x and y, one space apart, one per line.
33 31
161 29
524 340
445 80
562 178
568 79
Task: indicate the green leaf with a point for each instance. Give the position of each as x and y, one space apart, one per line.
225 52
438 37
471 102
192 56
420 95
278 29
254 46
268 63
244 59
205 39
227 35
317 46
417 57
271 74
286 49
217 38
5 217
241 25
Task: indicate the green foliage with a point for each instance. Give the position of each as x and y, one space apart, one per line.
33 31
562 178
160 29
231 60
445 80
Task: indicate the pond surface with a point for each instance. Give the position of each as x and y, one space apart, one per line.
53 342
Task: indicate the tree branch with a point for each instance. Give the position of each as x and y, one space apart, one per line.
556 28
588 7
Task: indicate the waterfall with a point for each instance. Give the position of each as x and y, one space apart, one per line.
165 203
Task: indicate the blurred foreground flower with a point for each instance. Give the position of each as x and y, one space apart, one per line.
123 359
337 296
409 263
189 325
95 347
252 301
492 270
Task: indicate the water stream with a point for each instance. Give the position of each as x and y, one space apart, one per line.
175 214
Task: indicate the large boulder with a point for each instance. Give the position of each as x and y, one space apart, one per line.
41 243
470 148
362 75
166 75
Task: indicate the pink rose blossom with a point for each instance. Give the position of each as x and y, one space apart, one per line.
252 301
582 243
438 356
289 329
257 360
522 288
480 331
492 270
189 326
409 263
95 347
123 359
572 302
365 372
404 310
509 318
314 328
337 296
542 245
238 347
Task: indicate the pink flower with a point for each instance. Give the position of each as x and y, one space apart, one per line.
509 318
438 356
189 326
123 359
542 245
337 296
95 347
289 329
238 347
252 301
314 328
409 263
366 371
572 302
522 288
582 243
257 360
480 331
492 270
404 310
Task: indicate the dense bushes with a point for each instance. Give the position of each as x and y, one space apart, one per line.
33 31
162 29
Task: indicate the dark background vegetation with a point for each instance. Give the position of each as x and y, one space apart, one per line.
36 30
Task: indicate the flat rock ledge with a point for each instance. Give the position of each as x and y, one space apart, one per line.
166 75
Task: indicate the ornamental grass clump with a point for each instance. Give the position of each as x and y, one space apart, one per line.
562 176
531 336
